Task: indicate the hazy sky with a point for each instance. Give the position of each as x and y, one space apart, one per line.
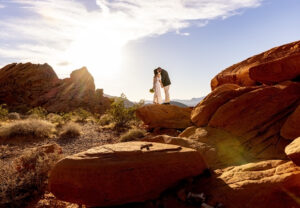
122 41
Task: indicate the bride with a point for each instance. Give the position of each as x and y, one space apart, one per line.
156 87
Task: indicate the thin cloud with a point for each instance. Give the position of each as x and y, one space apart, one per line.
67 31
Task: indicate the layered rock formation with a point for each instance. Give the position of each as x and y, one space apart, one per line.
270 183
122 173
273 66
24 86
244 128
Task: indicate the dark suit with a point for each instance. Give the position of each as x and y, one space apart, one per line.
165 79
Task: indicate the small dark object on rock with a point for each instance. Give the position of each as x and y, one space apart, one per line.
147 146
196 199
199 199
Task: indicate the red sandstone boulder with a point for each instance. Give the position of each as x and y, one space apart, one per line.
257 109
281 69
293 151
203 112
121 173
272 66
165 116
291 128
24 86
271 183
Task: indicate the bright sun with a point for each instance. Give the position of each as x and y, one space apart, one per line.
99 51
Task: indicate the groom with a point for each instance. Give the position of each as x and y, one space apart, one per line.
166 84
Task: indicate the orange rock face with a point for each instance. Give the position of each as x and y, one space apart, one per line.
203 112
24 86
271 183
282 69
122 173
165 116
272 66
254 109
293 151
291 128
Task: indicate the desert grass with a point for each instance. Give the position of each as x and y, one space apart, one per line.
132 134
26 176
33 128
71 130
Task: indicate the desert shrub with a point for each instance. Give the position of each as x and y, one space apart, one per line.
82 115
54 118
13 116
70 130
105 119
26 175
37 112
27 128
120 114
132 135
78 115
67 116
3 112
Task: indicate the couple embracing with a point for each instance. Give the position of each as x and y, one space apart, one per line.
161 80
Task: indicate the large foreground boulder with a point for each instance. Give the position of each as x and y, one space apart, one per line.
271 183
293 151
122 173
273 66
25 86
165 116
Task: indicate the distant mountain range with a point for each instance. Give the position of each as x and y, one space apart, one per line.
191 103
182 103
179 102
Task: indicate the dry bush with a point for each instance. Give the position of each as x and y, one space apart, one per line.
132 135
3 112
14 116
70 130
121 114
27 175
27 128
56 119
37 112
105 119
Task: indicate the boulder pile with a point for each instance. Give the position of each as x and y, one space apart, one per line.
25 86
246 131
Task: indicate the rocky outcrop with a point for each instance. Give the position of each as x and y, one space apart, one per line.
122 173
293 151
24 86
165 116
257 110
271 183
291 128
273 66
203 112
243 130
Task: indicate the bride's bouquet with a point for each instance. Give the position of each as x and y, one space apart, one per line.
151 90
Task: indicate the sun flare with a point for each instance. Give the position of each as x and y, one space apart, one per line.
99 51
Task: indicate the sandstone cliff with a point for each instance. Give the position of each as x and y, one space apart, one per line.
24 86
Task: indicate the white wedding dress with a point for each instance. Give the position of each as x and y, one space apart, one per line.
156 87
